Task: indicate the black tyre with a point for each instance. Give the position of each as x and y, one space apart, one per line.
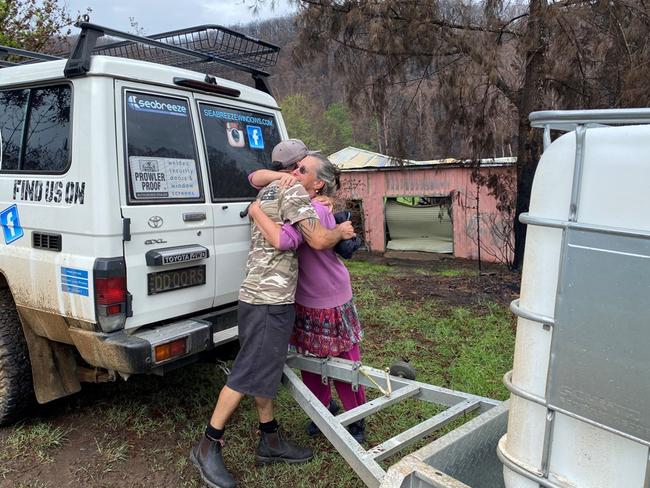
403 370
16 389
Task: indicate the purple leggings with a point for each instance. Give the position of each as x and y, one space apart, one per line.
349 398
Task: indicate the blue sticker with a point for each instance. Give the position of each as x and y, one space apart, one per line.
10 222
74 281
255 139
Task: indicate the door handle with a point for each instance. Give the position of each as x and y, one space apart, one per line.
194 216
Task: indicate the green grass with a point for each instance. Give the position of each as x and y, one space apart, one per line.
448 273
364 268
454 273
152 422
112 452
458 349
39 437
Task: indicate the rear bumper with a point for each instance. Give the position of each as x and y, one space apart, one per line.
134 353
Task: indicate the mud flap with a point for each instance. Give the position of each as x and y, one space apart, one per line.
54 368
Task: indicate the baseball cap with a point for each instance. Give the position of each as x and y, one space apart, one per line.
289 152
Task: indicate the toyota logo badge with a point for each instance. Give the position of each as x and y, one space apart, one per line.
155 222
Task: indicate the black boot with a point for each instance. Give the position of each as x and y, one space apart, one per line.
358 430
274 448
206 456
312 428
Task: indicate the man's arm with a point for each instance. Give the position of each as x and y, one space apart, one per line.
262 177
281 237
269 229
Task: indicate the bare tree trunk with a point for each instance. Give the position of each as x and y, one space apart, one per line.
532 97
379 138
385 127
478 224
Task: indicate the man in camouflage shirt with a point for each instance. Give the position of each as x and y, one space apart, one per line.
266 317
271 275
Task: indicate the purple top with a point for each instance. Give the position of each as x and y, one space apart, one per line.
323 280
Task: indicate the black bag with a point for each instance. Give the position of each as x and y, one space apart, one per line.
346 247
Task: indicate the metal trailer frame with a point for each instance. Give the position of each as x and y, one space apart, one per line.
366 462
589 236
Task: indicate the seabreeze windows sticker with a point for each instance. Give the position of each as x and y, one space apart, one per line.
255 138
236 117
163 178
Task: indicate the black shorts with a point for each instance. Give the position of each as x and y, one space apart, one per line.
264 332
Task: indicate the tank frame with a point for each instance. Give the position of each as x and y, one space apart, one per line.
575 385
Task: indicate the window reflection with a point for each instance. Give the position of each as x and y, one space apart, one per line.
238 142
13 106
35 128
47 143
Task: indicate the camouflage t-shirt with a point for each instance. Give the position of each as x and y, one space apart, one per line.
271 275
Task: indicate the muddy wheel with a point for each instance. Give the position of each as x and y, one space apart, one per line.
16 390
403 370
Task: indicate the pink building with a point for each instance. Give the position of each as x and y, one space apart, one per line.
454 207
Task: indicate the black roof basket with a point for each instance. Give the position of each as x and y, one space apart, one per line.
197 48
200 48
21 56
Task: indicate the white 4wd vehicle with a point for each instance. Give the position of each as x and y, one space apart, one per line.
122 182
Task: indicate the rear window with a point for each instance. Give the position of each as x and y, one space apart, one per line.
237 142
35 129
161 150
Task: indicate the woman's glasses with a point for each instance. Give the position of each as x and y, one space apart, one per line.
292 167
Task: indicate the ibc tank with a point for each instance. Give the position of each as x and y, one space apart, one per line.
580 385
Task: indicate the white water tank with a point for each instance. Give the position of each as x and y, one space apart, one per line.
580 385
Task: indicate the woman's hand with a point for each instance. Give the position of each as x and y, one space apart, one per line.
346 230
287 180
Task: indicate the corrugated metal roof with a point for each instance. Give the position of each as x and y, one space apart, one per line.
352 157
355 158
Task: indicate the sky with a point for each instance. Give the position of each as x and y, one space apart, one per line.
156 16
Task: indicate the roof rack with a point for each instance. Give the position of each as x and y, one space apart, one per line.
198 48
26 56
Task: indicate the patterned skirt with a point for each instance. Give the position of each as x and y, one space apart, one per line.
326 332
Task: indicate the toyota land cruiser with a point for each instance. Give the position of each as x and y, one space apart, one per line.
121 186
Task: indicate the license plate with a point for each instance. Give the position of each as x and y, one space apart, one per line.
175 279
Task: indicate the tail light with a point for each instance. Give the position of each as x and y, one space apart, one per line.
112 302
171 349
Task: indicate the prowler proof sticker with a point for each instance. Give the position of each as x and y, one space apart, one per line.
163 178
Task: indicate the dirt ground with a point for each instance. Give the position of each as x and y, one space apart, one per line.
467 288
93 452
